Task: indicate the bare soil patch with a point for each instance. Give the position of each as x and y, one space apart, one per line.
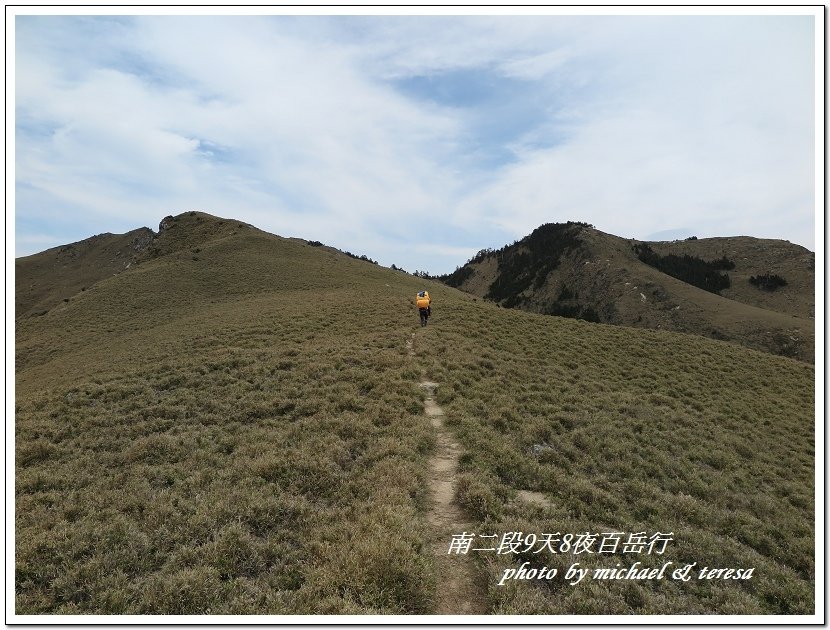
460 591
536 498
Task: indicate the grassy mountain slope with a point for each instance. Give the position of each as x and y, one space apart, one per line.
239 429
756 257
577 271
48 278
229 431
45 279
631 431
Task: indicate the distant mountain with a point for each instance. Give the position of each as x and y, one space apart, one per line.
42 280
756 292
45 279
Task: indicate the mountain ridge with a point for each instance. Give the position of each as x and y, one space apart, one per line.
45 279
570 270
574 270
236 425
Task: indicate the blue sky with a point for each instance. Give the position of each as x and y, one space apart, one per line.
416 140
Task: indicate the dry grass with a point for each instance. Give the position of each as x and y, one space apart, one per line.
248 441
240 430
631 432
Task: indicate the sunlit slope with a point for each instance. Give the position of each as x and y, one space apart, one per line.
631 431
239 429
757 257
240 433
43 280
132 317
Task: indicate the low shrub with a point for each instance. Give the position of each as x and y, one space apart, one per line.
768 282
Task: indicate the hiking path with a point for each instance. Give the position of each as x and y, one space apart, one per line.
460 590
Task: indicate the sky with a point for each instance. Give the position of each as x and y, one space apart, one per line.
416 140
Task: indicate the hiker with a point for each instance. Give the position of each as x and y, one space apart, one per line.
422 301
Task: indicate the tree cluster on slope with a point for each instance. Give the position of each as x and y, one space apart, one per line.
546 243
768 282
527 263
690 269
363 257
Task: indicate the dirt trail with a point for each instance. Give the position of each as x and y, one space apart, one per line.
460 591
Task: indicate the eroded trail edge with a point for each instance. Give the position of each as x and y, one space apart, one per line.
459 592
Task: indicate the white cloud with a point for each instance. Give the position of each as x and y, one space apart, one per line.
304 129
709 138
296 126
538 66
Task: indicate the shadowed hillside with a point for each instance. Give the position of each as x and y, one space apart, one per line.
701 286
234 425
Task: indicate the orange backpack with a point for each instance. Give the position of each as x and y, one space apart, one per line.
422 299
